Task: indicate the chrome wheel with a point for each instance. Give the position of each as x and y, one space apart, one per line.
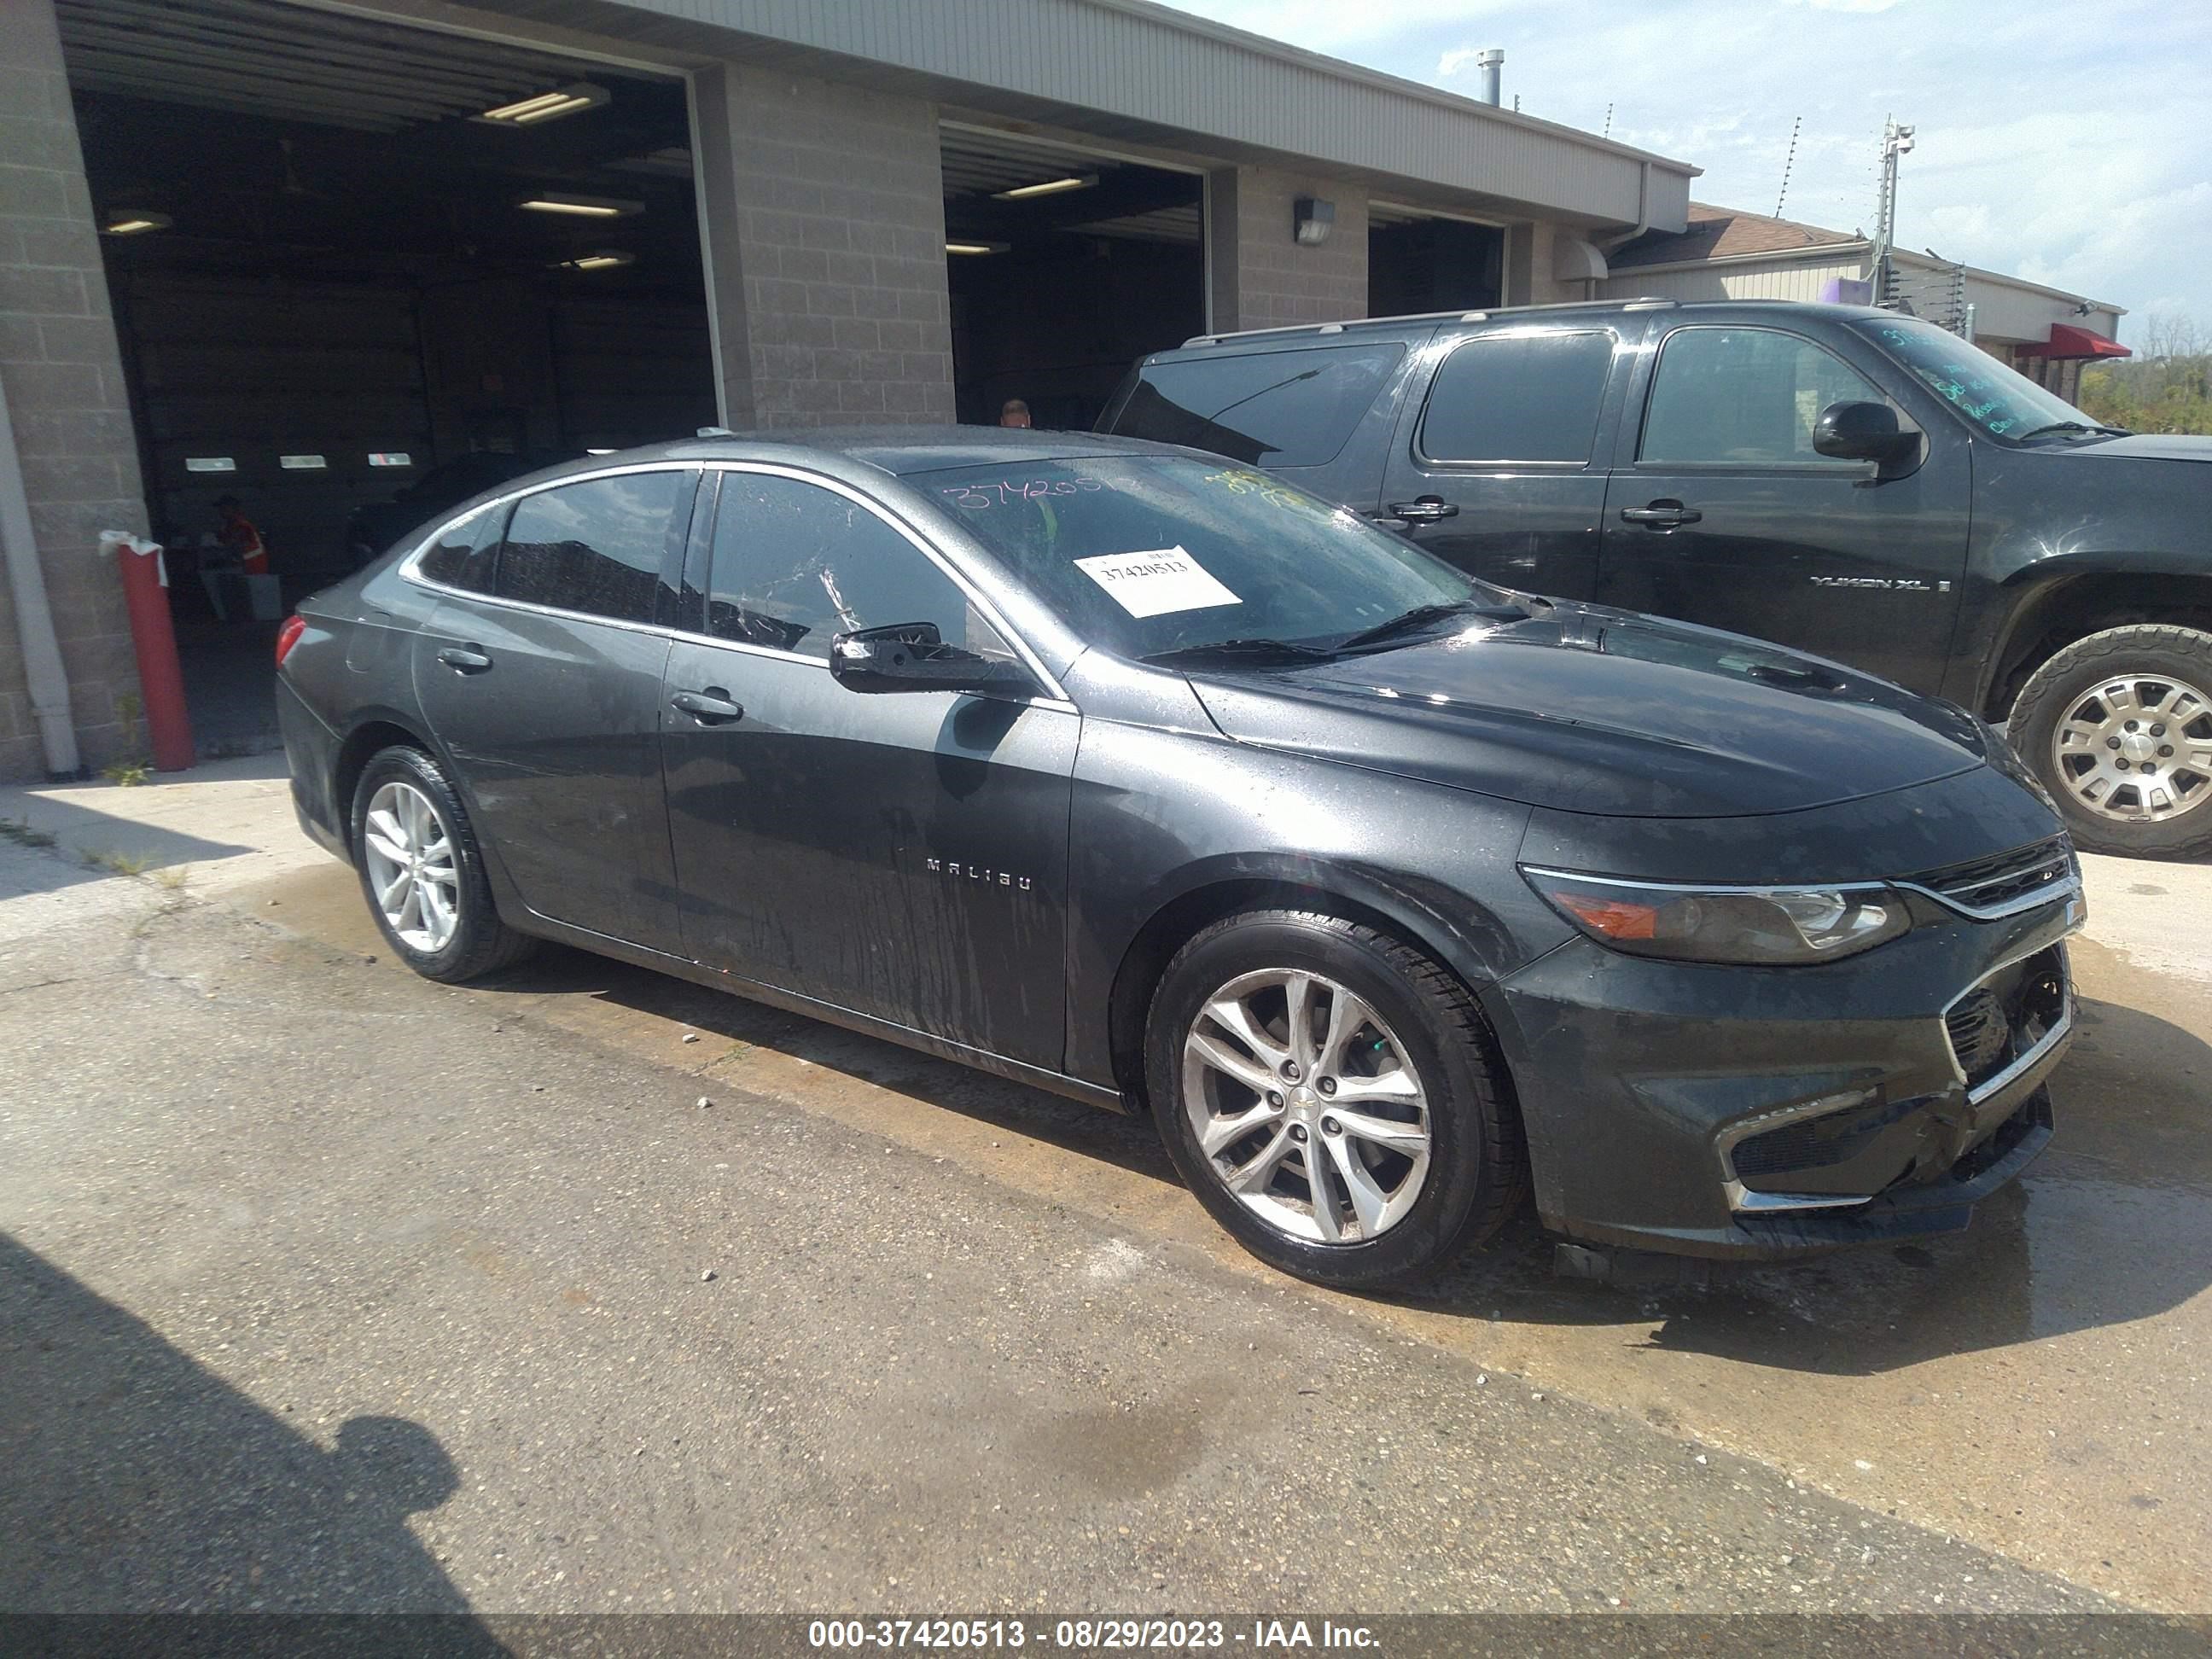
2136 748
409 853
1306 1106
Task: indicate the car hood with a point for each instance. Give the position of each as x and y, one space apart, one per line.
2149 447
1585 709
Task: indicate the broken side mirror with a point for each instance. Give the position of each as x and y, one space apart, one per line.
914 657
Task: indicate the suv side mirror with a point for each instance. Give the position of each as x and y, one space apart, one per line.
914 657
1863 432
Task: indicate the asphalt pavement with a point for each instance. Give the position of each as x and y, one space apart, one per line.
331 1289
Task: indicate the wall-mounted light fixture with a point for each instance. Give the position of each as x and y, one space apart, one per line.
1311 220
133 222
581 206
604 259
1049 187
547 106
977 247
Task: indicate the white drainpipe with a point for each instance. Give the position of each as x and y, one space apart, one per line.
35 618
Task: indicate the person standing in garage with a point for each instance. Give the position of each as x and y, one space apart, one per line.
237 532
1013 412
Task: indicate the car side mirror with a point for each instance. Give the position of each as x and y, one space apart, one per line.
1863 432
914 657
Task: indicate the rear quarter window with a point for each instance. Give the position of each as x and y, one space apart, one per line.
1264 408
463 554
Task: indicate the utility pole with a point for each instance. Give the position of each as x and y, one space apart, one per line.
1896 140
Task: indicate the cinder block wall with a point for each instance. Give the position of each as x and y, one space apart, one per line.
825 209
63 371
1264 279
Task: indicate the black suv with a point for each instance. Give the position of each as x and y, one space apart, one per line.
1847 481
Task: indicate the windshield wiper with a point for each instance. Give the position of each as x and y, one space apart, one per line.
1422 615
2076 426
1238 650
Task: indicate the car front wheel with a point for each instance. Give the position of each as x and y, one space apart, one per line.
2118 727
423 872
1332 1097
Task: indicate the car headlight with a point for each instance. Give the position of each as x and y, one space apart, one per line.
1749 926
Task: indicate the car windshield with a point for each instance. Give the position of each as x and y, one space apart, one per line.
2005 404
1148 555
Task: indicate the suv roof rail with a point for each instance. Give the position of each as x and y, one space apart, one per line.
1647 302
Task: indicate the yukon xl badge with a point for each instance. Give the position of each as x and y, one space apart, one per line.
977 873
1882 584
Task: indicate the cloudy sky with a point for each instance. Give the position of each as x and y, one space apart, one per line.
2070 144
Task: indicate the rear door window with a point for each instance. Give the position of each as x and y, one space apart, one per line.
597 546
1264 408
465 550
1518 398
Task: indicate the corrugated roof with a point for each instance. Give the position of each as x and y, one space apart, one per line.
1719 233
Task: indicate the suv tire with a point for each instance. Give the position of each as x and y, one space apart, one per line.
2146 747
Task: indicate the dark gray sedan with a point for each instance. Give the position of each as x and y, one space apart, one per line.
1143 777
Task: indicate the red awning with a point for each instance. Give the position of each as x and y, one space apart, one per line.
2068 341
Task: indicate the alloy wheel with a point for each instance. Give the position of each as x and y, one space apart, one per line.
2136 748
409 854
1306 1106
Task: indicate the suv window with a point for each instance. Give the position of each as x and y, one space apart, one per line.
795 564
595 546
1518 398
465 550
1272 408
1745 396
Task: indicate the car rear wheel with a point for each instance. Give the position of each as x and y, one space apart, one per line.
1332 1097
423 872
2118 727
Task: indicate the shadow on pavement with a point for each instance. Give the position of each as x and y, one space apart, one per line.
139 1482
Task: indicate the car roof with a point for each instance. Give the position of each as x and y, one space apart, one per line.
898 450
1566 311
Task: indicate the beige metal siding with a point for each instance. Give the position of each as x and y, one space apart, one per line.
1801 281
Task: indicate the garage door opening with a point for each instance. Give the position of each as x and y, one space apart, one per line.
1064 266
1420 262
361 271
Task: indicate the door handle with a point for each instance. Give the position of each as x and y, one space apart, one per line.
712 707
1427 510
1661 515
465 659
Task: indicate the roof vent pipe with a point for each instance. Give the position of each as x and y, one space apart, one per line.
1491 61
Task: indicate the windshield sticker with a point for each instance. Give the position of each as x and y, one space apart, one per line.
1154 583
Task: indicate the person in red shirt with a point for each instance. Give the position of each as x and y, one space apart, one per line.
238 534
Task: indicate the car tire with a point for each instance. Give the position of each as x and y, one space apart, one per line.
1423 1033
2066 732
406 817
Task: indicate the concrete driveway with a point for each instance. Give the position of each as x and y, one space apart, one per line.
589 1291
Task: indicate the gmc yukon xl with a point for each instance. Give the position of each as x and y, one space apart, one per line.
1847 482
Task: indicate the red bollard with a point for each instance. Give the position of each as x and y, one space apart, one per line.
154 634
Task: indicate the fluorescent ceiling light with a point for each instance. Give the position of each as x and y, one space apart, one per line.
583 207
1049 187
977 247
605 259
547 106
133 222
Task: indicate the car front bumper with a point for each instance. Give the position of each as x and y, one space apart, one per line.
1767 1113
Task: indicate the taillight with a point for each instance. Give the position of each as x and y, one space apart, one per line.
287 636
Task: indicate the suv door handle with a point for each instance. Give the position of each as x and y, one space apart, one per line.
1661 515
465 659
712 707
1427 510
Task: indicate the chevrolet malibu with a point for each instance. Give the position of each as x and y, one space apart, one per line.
1390 896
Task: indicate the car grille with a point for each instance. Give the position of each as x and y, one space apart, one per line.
2006 1014
1984 885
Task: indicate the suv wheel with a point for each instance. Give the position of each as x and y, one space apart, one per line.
1332 1096
423 872
2118 727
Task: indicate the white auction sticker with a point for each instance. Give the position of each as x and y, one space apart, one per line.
1153 583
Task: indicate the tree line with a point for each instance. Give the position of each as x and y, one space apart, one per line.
2166 387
